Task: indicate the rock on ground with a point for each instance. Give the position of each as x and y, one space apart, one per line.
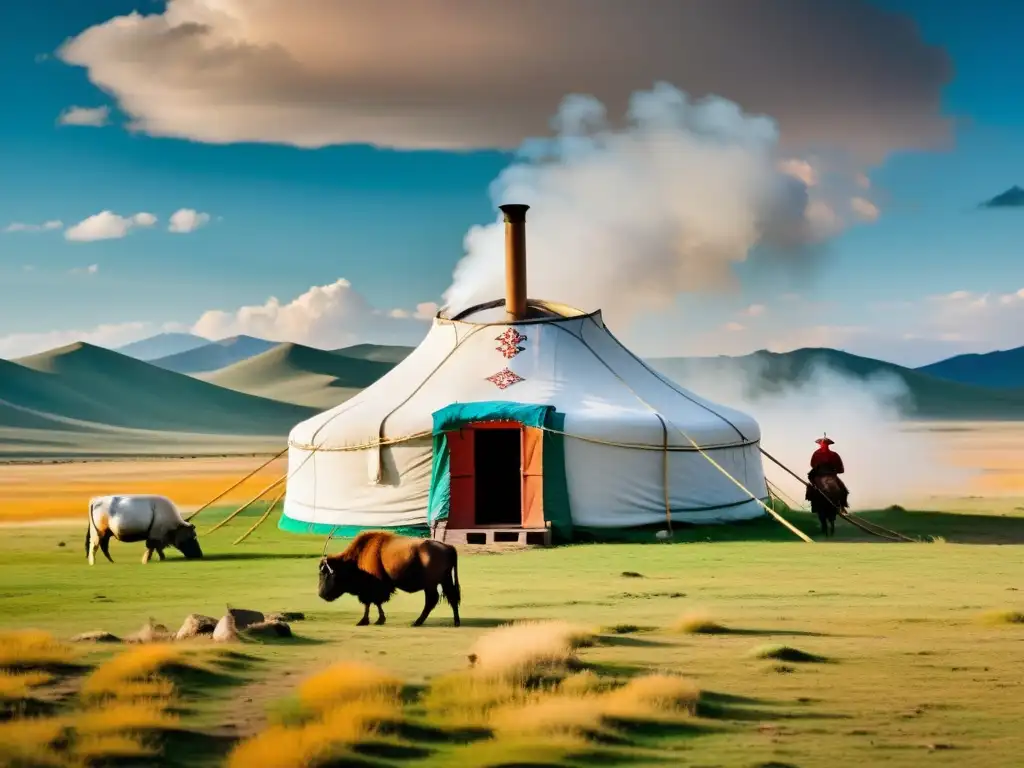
268 629
244 618
196 624
96 637
151 632
226 631
286 616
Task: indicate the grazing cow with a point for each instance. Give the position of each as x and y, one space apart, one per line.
131 518
377 563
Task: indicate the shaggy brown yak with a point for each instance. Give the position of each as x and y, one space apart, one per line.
377 563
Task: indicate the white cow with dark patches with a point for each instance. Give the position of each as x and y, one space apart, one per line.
136 517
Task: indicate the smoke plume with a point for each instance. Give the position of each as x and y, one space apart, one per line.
627 220
887 461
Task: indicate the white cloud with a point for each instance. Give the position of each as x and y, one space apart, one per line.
107 225
46 226
457 74
734 327
325 316
187 220
95 117
92 269
800 169
754 310
864 209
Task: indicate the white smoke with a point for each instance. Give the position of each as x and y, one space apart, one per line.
665 206
887 460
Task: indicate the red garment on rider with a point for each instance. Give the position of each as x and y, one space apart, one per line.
824 456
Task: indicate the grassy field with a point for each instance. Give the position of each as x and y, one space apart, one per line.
910 666
46 492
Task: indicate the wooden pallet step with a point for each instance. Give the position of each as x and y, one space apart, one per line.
524 537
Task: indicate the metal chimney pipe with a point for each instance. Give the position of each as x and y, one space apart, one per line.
515 260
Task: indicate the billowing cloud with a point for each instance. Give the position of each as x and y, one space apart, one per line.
46 226
667 205
470 74
95 117
325 316
107 225
187 220
92 269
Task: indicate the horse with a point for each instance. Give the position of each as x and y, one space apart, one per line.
827 500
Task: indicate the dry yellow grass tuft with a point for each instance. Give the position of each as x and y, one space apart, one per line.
133 674
546 715
32 649
699 624
653 695
329 738
124 717
14 685
523 649
29 742
110 746
348 682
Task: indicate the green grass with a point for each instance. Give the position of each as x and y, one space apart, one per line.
913 667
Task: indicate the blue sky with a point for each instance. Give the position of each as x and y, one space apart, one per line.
392 221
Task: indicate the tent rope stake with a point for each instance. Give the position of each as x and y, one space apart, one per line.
245 506
868 527
228 490
260 522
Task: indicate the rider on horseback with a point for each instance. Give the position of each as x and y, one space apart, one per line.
825 461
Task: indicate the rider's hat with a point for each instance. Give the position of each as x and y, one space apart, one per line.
824 441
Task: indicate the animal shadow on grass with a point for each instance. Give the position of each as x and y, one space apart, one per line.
241 556
480 622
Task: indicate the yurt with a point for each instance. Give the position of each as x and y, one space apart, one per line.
522 420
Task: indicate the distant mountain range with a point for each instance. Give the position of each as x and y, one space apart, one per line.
303 375
214 355
244 394
162 345
1003 369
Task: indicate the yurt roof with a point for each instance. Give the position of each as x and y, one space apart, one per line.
494 313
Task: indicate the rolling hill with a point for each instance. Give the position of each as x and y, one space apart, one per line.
214 355
106 397
302 375
162 345
767 372
1002 370
381 353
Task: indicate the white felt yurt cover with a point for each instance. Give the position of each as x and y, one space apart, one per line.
368 462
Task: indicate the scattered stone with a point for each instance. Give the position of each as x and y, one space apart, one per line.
151 632
196 624
244 618
226 631
286 616
96 637
268 629
61 544
632 575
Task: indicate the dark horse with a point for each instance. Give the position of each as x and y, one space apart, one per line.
827 500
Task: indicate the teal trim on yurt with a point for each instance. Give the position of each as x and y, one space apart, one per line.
458 415
291 525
